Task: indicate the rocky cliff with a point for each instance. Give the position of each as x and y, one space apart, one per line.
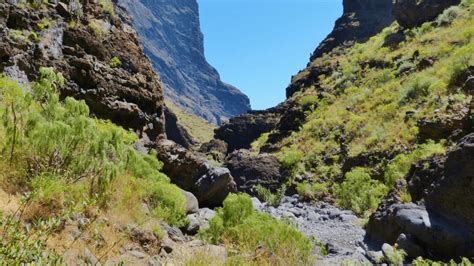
170 32
97 51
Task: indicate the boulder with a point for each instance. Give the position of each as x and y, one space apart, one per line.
250 170
239 132
192 172
216 148
192 204
412 13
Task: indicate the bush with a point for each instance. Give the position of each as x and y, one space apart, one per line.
418 88
359 192
290 158
115 62
308 101
399 167
267 196
448 16
312 191
237 225
168 203
65 157
108 7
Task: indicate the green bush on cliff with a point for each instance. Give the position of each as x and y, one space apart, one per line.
244 231
399 167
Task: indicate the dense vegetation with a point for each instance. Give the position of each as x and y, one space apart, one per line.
68 162
369 107
246 232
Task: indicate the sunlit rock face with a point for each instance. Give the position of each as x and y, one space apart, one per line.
170 33
361 20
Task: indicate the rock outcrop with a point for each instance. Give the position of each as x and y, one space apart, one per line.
194 173
170 32
412 13
239 132
250 170
128 92
361 20
441 221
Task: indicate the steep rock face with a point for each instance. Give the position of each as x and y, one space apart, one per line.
128 93
170 32
411 13
361 20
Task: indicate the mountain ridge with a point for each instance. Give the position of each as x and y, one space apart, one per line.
171 35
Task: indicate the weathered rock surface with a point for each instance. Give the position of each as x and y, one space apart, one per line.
129 95
176 132
239 132
170 32
361 20
250 170
442 223
339 231
412 13
192 172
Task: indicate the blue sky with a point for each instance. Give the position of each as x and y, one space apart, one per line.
257 45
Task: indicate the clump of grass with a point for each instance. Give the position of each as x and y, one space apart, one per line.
399 167
312 191
108 7
115 62
44 24
239 227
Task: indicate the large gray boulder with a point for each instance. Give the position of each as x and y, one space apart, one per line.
412 13
192 172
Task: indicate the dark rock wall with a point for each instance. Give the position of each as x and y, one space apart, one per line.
130 95
361 20
170 32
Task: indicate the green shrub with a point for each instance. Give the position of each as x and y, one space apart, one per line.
359 192
168 203
240 227
17 35
44 24
418 88
108 7
65 157
399 167
312 191
258 143
448 16
396 257
308 101
291 157
267 196
115 62
426 262
97 30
